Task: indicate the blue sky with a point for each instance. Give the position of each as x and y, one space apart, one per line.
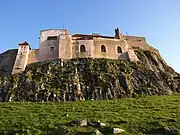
157 20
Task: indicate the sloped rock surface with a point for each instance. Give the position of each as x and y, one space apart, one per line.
91 79
7 61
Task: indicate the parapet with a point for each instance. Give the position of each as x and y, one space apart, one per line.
62 31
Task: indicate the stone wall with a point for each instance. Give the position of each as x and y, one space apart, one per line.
132 56
111 48
49 49
68 47
89 48
134 41
21 58
33 56
65 46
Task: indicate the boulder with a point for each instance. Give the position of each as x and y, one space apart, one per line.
171 131
97 132
96 124
81 123
102 124
118 130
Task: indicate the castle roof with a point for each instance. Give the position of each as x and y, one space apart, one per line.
24 43
91 36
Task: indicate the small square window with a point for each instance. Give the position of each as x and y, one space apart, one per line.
52 49
52 38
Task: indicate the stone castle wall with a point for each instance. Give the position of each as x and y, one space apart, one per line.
49 49
33 56
89 44
65 46
59 44
111 48
134 41
21 58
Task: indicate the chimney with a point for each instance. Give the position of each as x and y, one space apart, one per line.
117 33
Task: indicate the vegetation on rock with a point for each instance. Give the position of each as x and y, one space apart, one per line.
91 79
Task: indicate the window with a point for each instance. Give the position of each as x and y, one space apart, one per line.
52 49
82 48
103 48
52 38
119 50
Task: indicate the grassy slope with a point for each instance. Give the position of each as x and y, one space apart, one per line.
139 115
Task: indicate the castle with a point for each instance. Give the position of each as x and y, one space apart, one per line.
60 44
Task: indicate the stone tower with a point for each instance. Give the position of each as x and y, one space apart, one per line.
21 58
54 44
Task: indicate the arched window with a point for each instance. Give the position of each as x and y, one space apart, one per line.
82 48
119 50
103 48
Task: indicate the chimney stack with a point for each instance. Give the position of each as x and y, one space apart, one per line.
117 33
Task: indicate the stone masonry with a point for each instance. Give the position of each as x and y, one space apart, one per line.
60 44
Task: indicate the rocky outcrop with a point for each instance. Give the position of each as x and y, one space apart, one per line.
7 61
91 79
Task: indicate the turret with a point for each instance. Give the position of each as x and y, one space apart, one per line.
21 58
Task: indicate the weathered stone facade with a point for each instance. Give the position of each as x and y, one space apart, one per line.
21 57
60 44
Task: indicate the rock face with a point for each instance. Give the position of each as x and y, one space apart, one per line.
117 130
91 79
7 61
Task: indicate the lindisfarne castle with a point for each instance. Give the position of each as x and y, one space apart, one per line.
60 44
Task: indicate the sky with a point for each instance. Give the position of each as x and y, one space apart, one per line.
157 20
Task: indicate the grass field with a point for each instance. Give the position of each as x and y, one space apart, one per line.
147 115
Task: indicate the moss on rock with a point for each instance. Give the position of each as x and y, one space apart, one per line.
86 78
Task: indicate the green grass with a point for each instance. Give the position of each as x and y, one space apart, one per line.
135 116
